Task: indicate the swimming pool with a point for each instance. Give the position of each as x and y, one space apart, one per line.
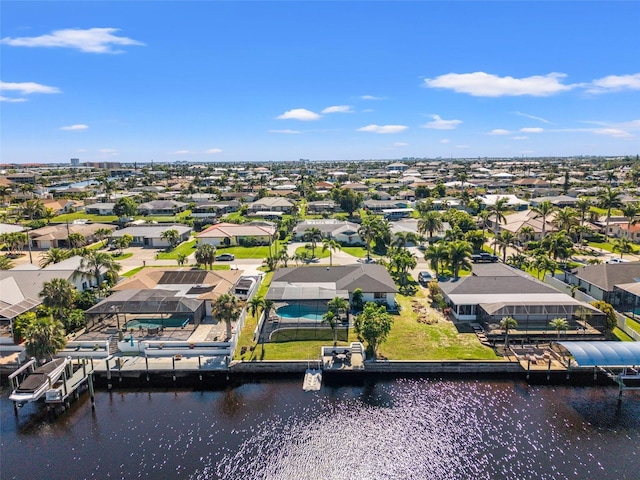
156 323
300 311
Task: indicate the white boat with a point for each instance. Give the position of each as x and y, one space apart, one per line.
312 380
39 381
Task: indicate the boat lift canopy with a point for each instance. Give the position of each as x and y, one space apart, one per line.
604 354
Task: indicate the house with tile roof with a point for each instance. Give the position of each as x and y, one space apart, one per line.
232 234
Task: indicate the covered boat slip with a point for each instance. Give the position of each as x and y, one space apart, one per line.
37 381
620 361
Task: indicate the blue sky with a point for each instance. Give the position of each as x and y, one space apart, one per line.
277 81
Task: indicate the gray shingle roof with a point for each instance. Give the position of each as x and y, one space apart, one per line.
606 275
370 278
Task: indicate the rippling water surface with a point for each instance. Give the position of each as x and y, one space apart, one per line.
392 429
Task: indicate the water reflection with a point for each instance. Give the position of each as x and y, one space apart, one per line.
389 429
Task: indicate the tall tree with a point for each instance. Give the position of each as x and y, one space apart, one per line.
43 337
125 207
59 295
609 199
227 307
313 235
559 324
507 323
330 245
459 256
583 206
436 254
53 255
622 245
430 222
372 326
402 260
566 218
543 211
331 319
503 241
205 255
172 236
497 212
95 264
631 211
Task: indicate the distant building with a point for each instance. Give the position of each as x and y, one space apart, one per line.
75 162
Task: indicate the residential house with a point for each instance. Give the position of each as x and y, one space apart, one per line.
100 208
162 207
516 221
494 291
57 235
512 202
322 206
599 281
344 232
271 204
560 201
210 210
150 236
60 207
321 284
231 234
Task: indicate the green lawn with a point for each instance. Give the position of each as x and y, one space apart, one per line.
608 246
633 325
131 272
186 248
318 253
359 252
620 335
123 256
246 252
410 340
70 217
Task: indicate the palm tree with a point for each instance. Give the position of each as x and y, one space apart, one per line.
95 264
313 235
630 211
559 324
518 261
58 294
172 236
459 256
526 234
255 305
503 241
543 210
5 263
34 208
76 240
338 305
43 337
227 307
622 245
476 238
103 234
331 245
483 216
368 232
609 199
544 264
497 212
507 323
53 255
583 206
5 191
330 318
182 258
205 254
436 254
402 261
558 245
430 222
566 218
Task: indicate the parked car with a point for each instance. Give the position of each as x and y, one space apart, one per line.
484 257
225 257
424 278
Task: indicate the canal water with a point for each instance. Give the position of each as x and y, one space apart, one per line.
386 429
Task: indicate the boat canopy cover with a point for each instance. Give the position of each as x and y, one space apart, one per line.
604 354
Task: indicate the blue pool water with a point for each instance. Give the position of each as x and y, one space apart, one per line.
300 311
156 323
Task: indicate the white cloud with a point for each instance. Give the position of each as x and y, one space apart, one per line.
613 132
77 126
108 152
180 152
400 144
520 138
481 84
440 124
445 140
91 40
615 83
286 131
338 109
533 117
12 100
499 131
370 97
26 88
383 128
299 114
532 130
214 150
